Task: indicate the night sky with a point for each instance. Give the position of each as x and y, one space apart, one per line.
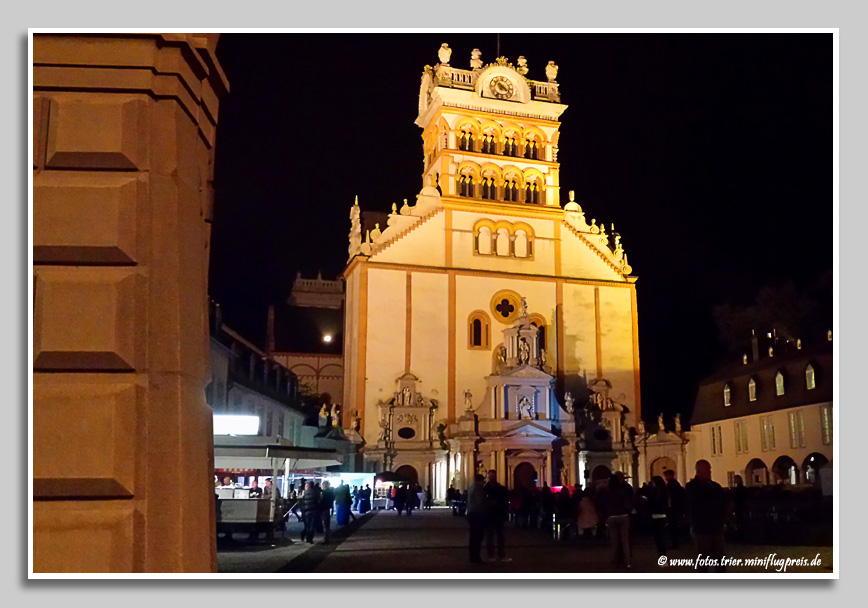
710 153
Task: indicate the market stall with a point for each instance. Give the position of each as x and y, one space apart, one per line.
237 511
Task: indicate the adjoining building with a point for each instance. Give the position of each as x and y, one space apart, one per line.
487 326
306 336
248 386
768 419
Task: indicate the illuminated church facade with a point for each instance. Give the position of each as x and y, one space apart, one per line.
488 326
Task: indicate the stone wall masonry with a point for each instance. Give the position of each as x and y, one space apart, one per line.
123 147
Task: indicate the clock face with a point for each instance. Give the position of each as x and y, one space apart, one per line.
501 87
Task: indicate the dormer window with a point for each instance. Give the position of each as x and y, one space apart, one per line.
779 384
751 390
810 380
727 395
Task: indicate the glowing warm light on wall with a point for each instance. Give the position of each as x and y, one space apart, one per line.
234 424
327 338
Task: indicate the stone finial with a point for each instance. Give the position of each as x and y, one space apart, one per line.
394 208
444 53
475 59
771 351
522 65
641 429
660 427
551 71
678 423
744 359
798 344
405 209
572 205
375 233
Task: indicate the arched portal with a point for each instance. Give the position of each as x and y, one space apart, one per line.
601 473
408 472
811 467
524 476
757 473
786 471
662 464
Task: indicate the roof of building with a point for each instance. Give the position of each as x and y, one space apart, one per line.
710 407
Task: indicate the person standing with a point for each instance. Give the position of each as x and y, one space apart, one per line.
657 508
589 519
327 505
677 503
619 504
706 504
398 496
310 511
476 517
496 514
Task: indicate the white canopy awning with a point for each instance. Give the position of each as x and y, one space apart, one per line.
258 453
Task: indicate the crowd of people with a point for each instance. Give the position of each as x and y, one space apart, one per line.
405 497
612 508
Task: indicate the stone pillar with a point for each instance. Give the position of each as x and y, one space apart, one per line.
643 467
123 155
682 465
501 467
548 469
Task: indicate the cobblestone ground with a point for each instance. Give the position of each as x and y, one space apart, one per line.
435 541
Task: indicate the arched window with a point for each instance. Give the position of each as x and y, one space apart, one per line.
751 390
477 331
534 194
810 380
465 141
528 193
483 241
503 242
521 244
465 185
727 395
779 384
531 149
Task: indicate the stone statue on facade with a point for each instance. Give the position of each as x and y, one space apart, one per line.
523 351
444 53
551 71
383 431
336 414
501 355
324 415
523 307
522 65
357 421
678 423
475 59
569 403
525 408
468 401
355 228
660 427
406 397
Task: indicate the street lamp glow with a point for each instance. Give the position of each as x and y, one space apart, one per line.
327 338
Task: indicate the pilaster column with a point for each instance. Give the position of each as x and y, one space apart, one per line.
123 153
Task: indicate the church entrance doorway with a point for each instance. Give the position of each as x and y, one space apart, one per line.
408 472
524 476
664 463
600 473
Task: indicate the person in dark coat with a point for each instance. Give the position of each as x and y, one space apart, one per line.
310 510
677 503
658 508
476 517
618 504
400 498
496 514
327 505
707 508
